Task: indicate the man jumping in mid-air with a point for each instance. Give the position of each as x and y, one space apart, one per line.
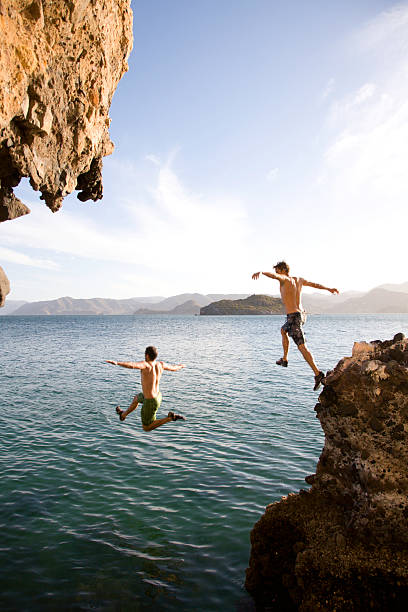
291 291
150 374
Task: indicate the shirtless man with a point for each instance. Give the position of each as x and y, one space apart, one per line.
151 372
291 290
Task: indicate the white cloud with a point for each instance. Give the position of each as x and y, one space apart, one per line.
363 176
344 109
389 28
25 260
368 151
195 234
154 159
165 231
328 90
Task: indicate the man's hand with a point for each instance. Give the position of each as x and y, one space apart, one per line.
112 362
334 291
255 276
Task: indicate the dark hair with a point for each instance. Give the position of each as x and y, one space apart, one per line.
283 266
151 352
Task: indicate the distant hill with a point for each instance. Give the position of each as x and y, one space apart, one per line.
185 303
190 307
319 303
375 301
167 305
402 287
10 306
252 305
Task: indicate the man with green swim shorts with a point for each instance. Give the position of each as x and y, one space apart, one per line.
151 372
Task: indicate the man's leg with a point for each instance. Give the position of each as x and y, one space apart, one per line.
158 422
319 375
124 413
307 355
285 344
283 361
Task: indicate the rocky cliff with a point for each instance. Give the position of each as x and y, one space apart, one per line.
343 544
60 63
4 286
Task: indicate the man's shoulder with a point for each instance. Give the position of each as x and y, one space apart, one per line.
294 280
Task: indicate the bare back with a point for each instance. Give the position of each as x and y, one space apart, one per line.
291 293
150 376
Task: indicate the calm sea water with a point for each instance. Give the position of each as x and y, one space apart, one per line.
99 515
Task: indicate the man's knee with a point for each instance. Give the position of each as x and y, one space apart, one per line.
147 427
302 347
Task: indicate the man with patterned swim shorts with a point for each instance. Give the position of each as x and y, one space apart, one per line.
291 292
151 371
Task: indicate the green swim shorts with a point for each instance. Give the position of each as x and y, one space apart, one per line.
149 408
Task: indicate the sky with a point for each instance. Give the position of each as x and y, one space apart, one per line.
246 132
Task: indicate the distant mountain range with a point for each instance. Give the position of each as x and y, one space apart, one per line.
185 303
375 301
92 306
383 299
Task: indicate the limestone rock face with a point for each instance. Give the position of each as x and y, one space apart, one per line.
60 63
343 545
4 286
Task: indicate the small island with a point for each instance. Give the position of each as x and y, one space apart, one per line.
252 305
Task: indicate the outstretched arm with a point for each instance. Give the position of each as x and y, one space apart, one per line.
132 365
278 277
317 286
173 368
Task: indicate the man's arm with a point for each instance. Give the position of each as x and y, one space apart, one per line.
317 286
172 368
132 365
278 277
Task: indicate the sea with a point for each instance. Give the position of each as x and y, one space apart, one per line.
99 515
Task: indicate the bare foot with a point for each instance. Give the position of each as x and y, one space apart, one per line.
176 417
120 413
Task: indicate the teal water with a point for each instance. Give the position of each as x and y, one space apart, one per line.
98 515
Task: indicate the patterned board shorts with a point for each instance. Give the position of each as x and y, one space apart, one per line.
293 327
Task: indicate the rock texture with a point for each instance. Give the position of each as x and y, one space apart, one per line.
4 286
60 63
343 545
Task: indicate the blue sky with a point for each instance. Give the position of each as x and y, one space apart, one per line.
245 131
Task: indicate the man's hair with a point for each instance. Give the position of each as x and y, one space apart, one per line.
151 352
282 266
